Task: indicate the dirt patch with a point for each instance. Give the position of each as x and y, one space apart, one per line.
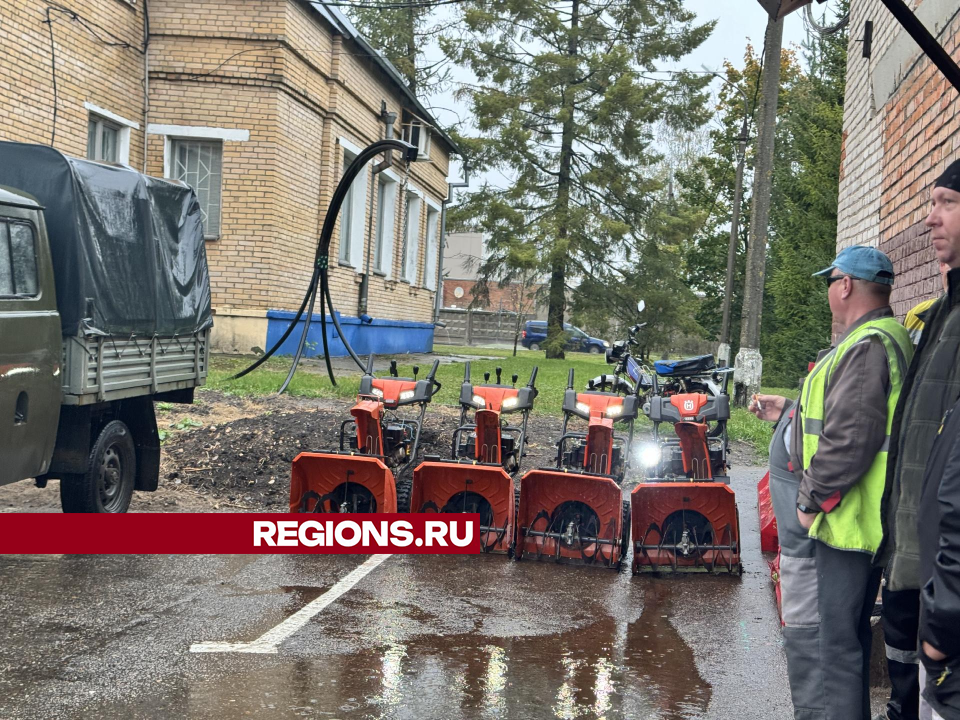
235 453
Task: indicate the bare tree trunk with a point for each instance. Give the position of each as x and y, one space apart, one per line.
749 363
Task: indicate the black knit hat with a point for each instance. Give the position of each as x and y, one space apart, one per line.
950 178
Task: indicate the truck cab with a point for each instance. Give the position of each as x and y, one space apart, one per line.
30 341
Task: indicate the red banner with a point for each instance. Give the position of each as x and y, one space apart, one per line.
239 533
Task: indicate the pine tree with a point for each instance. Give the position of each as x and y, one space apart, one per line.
566 108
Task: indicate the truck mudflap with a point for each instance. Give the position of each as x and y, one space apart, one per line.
448 486
341 482
570 517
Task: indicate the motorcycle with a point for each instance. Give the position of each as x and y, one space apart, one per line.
629 372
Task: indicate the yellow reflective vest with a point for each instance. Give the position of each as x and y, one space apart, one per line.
855 523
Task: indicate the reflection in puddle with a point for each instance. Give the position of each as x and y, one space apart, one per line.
495 683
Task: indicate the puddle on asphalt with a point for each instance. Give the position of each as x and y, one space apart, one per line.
608 669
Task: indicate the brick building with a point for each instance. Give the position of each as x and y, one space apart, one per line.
257 104
462 254
900 130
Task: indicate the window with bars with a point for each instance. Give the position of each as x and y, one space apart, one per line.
18 260
103 140
198 163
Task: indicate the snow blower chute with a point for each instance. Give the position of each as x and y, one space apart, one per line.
684 512
359 476
486 453
575 513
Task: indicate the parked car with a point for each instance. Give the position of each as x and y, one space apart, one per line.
104 308
535 333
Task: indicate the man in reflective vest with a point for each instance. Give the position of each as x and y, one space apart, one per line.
838 452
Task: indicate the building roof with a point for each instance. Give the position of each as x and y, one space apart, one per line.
333 15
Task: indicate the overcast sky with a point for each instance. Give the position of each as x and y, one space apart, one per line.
740 22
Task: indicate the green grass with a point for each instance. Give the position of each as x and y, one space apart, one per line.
551 381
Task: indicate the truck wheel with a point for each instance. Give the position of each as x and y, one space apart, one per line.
535 346
107 485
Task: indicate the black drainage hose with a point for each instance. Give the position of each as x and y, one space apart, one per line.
319 279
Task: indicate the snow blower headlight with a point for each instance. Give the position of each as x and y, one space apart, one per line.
510 402
378 392
407 395
649 455
583 407
614 411
479 401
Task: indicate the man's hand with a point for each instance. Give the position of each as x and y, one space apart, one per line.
931 652
806 519
767 407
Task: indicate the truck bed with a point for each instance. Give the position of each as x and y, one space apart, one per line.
103 368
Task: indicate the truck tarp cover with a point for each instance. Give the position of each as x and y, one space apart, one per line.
128 249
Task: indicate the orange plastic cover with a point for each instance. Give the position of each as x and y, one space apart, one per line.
598 402
487 448
439 485
493 397
543 492
369 433
693 444
320 477
598 456
391 389
653 503
689 404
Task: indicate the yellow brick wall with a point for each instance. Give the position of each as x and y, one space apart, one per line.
87 70
271 68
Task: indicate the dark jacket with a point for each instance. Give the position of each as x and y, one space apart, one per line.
854 421
932 385
938 529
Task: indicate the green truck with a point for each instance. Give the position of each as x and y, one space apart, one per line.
104 309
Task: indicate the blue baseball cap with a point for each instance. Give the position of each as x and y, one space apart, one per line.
865 263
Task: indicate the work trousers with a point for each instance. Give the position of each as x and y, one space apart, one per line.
828 597
926 712
901 622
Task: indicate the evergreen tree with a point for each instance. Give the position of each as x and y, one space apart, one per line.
566 108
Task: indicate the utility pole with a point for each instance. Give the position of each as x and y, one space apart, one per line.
749 364
723 352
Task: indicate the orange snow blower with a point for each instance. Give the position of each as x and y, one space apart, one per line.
685 514
486 453
575 513
359 477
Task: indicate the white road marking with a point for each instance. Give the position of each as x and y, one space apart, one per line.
270 640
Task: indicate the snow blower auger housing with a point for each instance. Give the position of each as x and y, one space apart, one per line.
486 452
575 513
376 440
684 512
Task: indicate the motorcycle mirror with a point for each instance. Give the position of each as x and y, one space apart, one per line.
416 369
393 368
640 306
514 378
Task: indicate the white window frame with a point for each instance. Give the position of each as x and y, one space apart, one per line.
430 253
122 125
199 132
354 207
416 132
408 260
385 230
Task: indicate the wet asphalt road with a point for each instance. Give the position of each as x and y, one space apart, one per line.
422 637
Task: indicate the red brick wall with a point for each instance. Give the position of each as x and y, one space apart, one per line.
507 295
